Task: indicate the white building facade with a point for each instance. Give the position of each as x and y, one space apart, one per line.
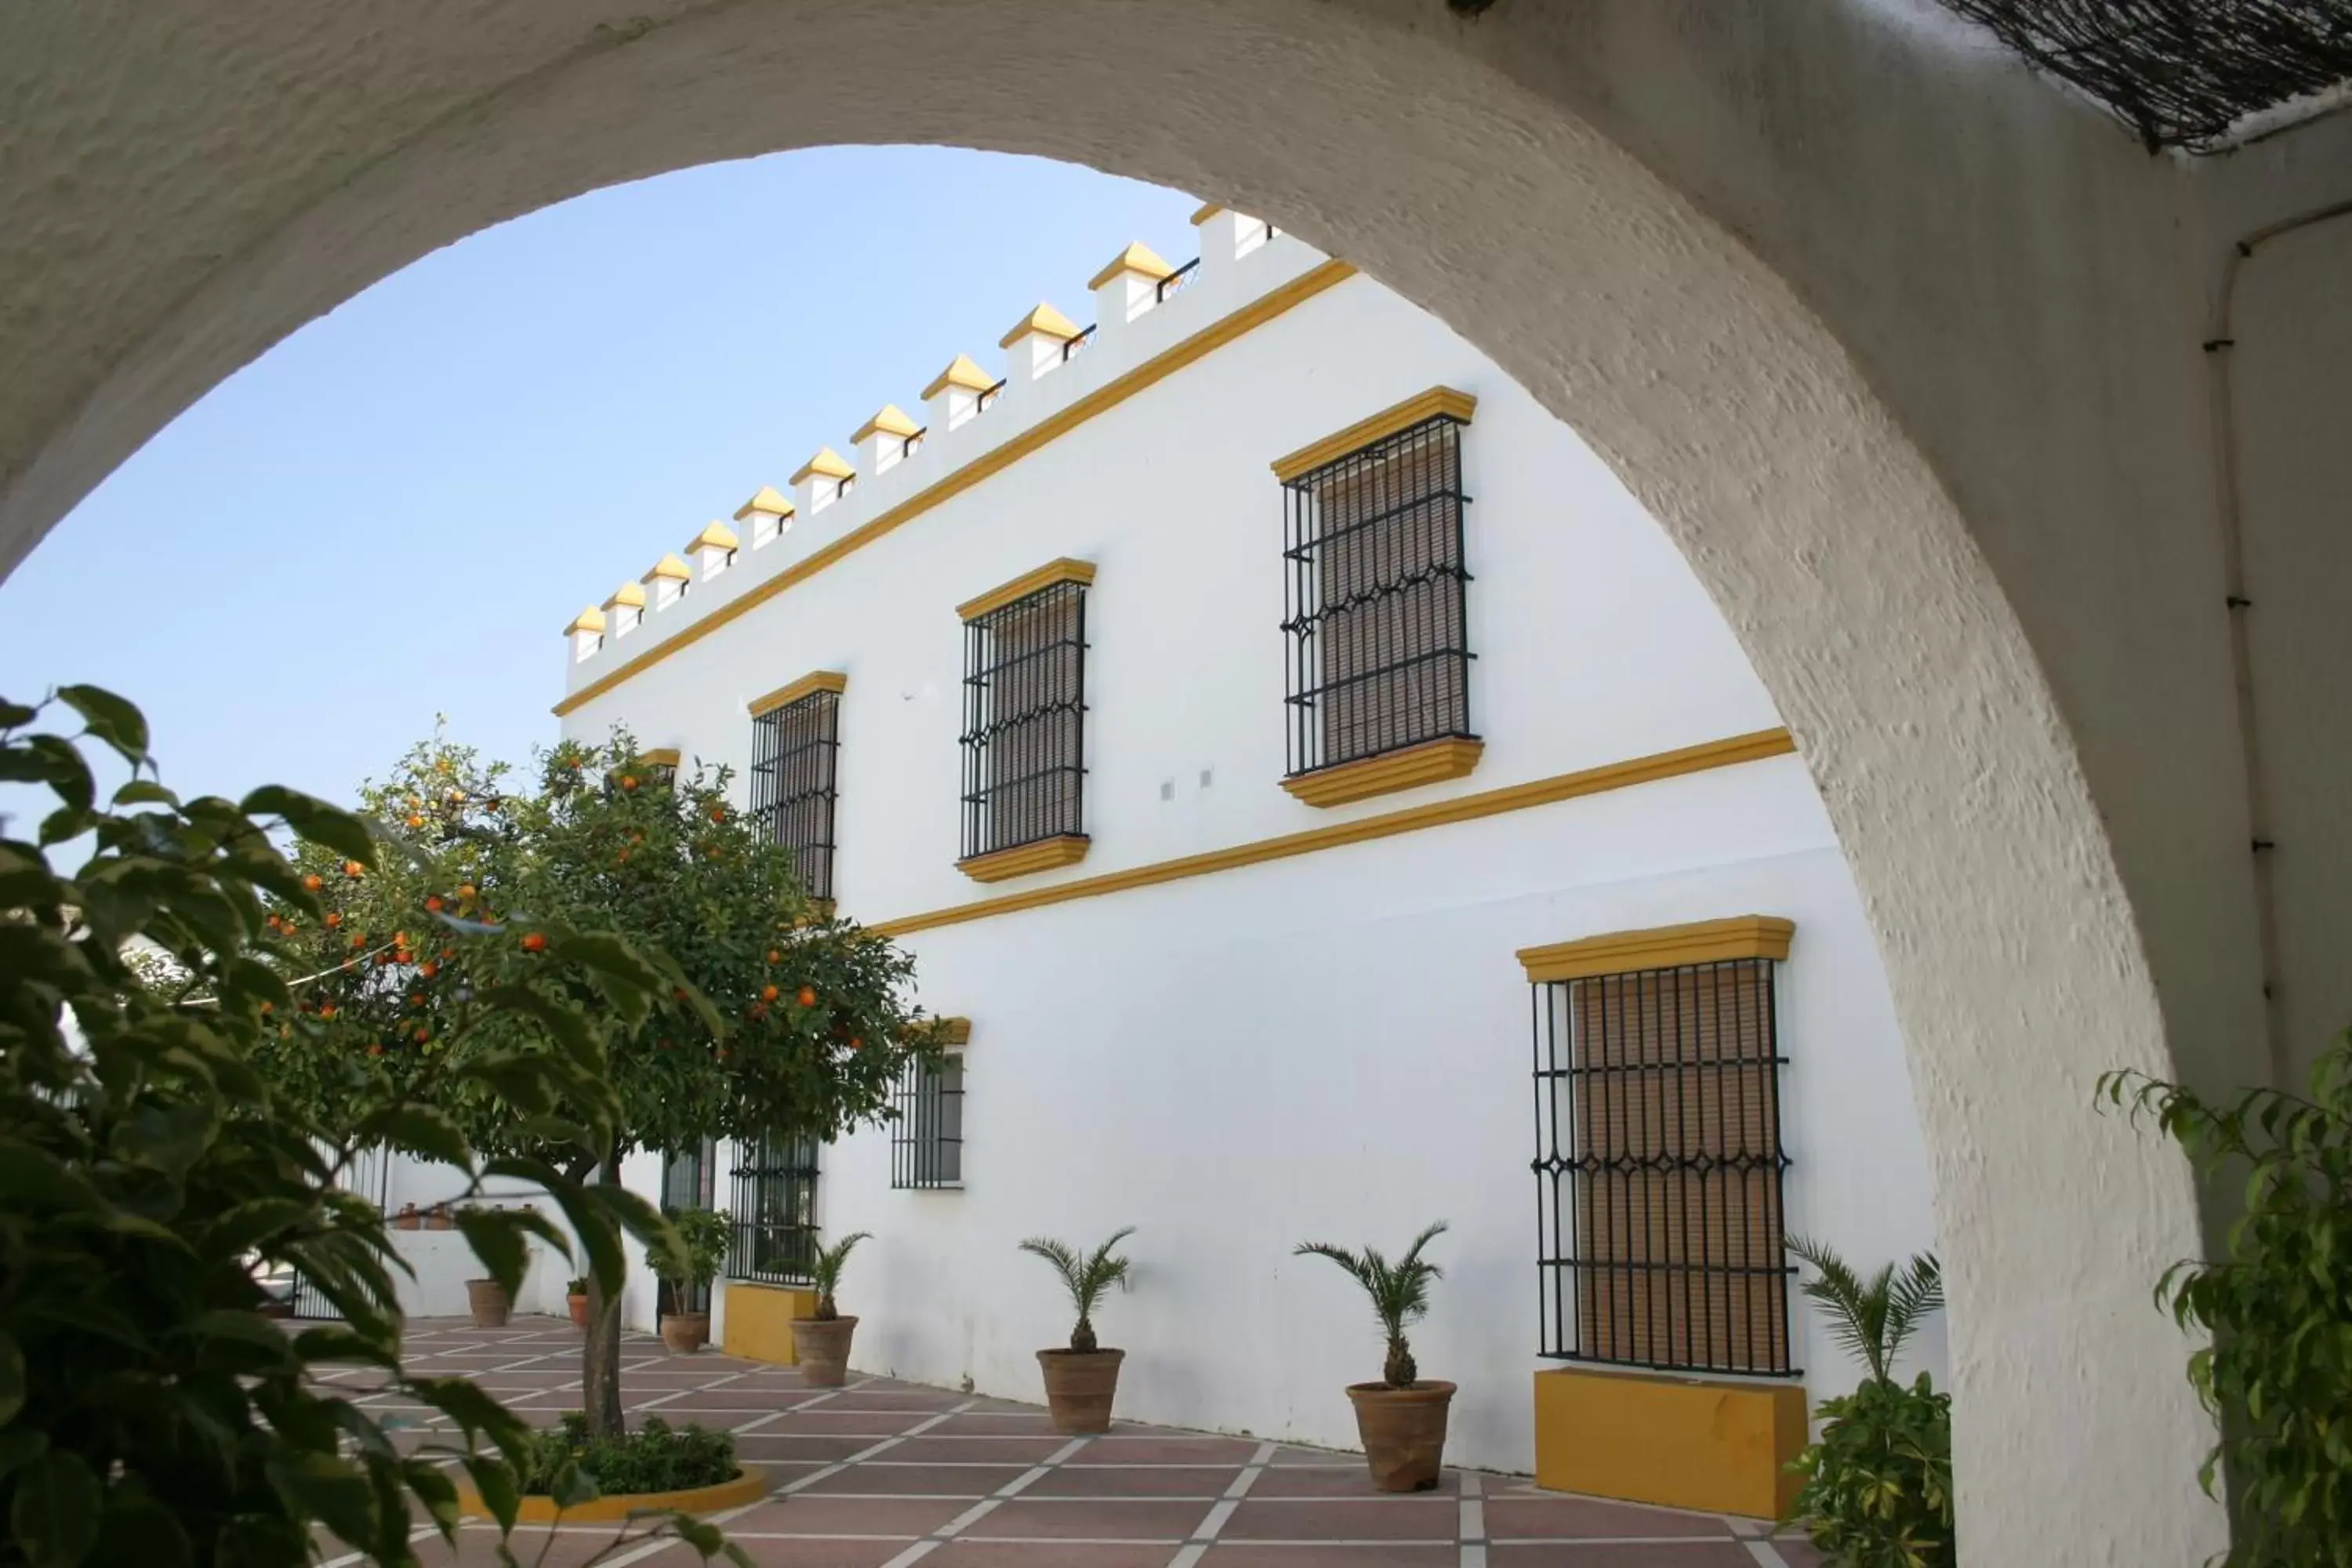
1335 806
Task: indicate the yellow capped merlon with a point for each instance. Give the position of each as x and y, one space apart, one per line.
669 566
1043 318
627 596
1208 210
826 462
1138 258
591 619
767 501
715 536
960 371
891 420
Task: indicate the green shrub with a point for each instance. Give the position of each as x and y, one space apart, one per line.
707 1234
659 1457
2278 1371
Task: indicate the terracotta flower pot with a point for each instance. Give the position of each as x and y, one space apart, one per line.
823 1348
579 1306
1080 1386
408 1219
489 1300
1403 1431
440 1218
686 1332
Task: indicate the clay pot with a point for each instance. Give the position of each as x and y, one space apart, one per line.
1080 1386
440 1218
1403 1431
823 1348
686 1332
407 1218
489 1300
578 1305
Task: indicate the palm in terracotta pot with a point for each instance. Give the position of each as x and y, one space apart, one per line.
1081 1380
706 1233
1402 1419
820 1342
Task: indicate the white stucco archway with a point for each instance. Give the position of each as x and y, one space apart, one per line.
206 186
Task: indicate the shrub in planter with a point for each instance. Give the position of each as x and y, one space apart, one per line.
821 1341
1082 1381
1400 1418
1878 1486
658 1457
706 1234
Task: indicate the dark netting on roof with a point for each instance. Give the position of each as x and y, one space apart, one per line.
2180 73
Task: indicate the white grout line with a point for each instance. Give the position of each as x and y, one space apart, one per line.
1222 1511
1472 1531
1765 1554
987 1505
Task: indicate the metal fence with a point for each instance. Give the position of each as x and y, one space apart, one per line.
774 1209
793 753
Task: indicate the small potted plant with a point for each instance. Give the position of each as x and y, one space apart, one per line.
575 1298
821 1341
1400 1418
1082 1379
439 1218
706 1233
407 1218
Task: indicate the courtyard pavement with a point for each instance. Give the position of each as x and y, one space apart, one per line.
884 1474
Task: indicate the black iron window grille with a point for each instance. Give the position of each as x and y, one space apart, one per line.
793 752
688 1181
774 1211
1024 721
1376 605
1658 1170
927 1134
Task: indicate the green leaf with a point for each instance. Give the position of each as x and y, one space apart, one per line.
418 1129
571 1486
260 1541
56 1515
111 718
19 1448
12 1379
141 1529
436 1492
497 1241
145 792
501 1493
330 828
330 1490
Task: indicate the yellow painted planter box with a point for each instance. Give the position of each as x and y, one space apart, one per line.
1679 1442
760 1321
749 1486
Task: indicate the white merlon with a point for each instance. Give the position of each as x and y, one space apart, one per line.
668 578
1037 344
1226 236
956 394
1126 289
713 549
886 439
625 609
769 515
822 480
586 632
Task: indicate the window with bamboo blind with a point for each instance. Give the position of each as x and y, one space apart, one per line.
1659 1163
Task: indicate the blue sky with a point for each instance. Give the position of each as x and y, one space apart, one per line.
392 513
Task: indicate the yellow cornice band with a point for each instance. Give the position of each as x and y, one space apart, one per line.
1208 210
1151 372
1703 758
815 680
1063 571
1660 947
659 757
1429 404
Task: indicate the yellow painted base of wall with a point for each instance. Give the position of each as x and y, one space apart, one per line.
760 1321
1680 1441
750 1485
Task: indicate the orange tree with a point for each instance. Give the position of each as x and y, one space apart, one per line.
779 1019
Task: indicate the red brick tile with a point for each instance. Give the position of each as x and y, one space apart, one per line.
765 1446
805 1514
1039 1554
1375 1517
1624 1554
1350 1481
974 1424
1168 1447
1243 1554
977 1450
972 1481
1134 1481
1093 1519
1513 1514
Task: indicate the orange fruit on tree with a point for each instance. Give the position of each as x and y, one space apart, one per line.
334 919
428 969
376 1050
423 1035
768 994
807 998
464 890
432 903
326 1010
534 941
414 820
774 956
314 881
628 781
352 869
717 813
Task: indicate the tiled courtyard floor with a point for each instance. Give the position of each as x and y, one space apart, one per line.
882 1474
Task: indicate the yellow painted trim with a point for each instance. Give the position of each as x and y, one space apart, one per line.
1208 210
953 1032
717 535
669 566
1025 859
629 595
750 1485
766 499
960 371
785 695
1662 947
1437 400
1698 759
1138 258
1149 373
591 619
890 419
759 1320
827 462
1062 571
1431 762
1043 318
1718 1447
659 757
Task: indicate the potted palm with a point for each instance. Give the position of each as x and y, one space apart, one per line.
706 1233
490 1302
1400 1418
821 1341
575 1300
1082 1379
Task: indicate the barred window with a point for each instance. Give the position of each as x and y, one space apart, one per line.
688 1181
795 737
926 1135
774 1211
1658 1168
1379 658
1024 720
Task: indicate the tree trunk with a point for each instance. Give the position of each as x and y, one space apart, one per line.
600 1355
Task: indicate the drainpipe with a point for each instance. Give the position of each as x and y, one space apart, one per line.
2229 515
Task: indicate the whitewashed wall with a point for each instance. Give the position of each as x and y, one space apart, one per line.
1336 1047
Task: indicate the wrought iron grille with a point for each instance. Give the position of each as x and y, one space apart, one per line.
1379 658
1658 1170
774 1211
690 1180
792 760
927 1136
1024 707
1176 281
